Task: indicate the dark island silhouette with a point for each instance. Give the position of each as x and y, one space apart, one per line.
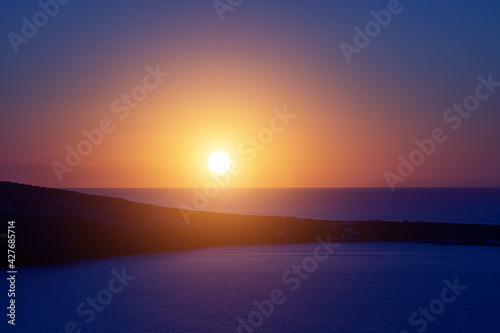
54 225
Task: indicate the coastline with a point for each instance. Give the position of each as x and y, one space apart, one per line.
56 225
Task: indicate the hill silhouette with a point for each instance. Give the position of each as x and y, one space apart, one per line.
54 225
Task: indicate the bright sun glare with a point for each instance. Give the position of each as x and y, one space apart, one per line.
219 162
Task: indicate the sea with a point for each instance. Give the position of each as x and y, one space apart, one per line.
449 205
288 288
358 287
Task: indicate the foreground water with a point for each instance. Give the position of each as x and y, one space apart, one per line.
453 205
360 287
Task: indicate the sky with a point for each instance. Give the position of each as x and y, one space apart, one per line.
298 93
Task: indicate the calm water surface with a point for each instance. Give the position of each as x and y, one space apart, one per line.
363 287
454 205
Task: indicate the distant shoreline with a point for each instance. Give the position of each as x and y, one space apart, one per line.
447 205
56 225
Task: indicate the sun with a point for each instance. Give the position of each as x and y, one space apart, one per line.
219 162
